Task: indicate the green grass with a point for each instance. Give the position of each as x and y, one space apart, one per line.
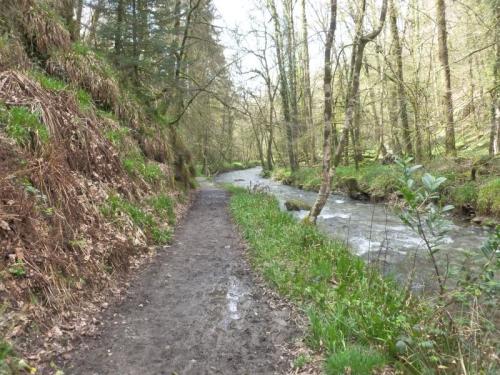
23 126
382 181
117 136
355 360
48 82
488 198
136 164
163 206
116 205
464 194
378 180
357 318
84 99
346 301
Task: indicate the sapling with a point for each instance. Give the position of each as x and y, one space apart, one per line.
422 213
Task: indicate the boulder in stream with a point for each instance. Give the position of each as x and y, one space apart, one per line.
354 191
297 205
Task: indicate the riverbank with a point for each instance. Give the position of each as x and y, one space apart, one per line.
472 187
357 318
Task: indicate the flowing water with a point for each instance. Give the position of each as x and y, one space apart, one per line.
374 231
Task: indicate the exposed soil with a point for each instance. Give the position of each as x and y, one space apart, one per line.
196 310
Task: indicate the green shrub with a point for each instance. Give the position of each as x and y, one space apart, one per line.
23 126
354 360
488 198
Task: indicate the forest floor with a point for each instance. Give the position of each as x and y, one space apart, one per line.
197 309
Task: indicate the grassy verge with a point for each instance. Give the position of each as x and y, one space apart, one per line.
381 182
357 318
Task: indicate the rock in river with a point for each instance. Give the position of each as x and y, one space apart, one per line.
297 205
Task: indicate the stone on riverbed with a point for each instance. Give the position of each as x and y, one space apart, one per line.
297 205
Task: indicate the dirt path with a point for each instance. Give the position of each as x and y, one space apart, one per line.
196 310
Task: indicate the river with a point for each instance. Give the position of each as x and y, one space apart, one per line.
375 232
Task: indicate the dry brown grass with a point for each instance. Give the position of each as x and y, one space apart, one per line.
42 28
51 227
13 55
86 71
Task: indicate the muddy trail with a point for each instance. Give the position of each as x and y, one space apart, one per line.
197 309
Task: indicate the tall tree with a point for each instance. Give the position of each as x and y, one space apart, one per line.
494 148
284 87
307 97
402 102
324 191
445 64
360 42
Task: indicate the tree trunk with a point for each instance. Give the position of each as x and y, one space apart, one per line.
447 98
292 75
78 23
94 20
362 41
495 105
120 20
284 88
398 53
307 85
324 190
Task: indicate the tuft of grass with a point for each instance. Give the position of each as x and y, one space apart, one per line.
17 269
136 164
488 198
464 194
355 360
163 206
116 205
117 136
23 126
84 99
48 82
301 361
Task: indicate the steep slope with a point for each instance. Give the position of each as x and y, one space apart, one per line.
89 181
